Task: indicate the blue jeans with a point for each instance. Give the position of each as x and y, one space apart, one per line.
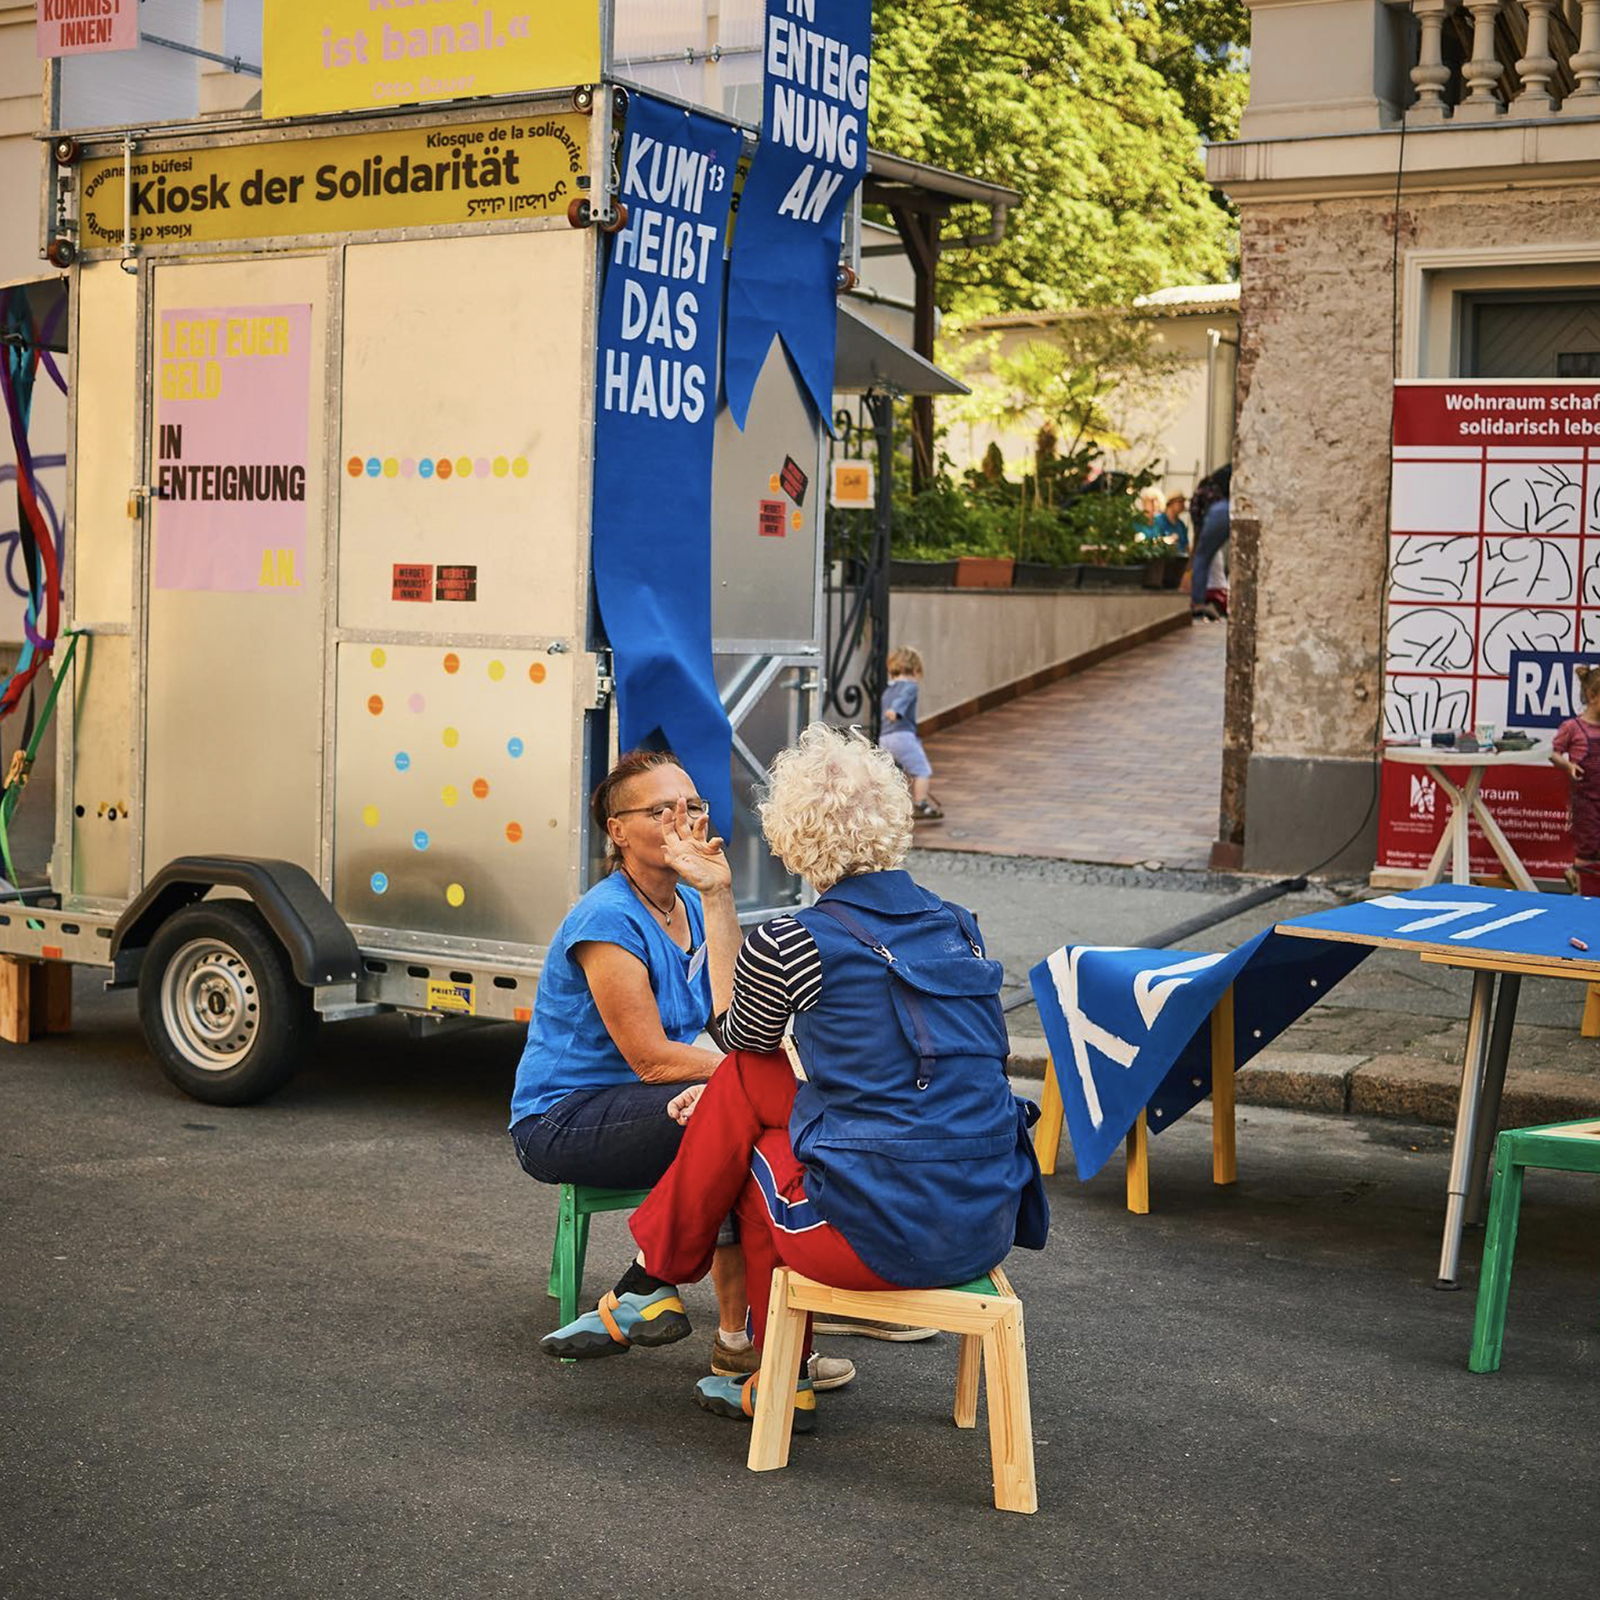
617 1138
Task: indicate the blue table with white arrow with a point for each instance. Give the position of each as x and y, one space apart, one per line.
1509 933
1139 1037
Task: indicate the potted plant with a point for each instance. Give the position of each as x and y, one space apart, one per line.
984 572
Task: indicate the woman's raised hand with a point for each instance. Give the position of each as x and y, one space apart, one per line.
692 853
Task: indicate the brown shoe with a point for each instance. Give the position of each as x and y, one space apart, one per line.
728 1363
825 1372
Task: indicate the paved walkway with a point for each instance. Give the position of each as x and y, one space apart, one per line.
1120 764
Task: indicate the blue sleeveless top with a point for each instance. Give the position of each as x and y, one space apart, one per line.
568 1047
914 1146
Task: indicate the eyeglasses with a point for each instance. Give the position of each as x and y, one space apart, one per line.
696 809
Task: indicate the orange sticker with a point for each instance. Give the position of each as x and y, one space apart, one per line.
536 672
480 788
442 468
375 705
774 483
452 662
796 521
353 466
514 832
522 1013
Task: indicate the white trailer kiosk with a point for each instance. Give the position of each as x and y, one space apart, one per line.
335 710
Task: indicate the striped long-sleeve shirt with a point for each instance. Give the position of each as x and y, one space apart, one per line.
779 972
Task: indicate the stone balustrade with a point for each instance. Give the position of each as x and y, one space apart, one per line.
1495 60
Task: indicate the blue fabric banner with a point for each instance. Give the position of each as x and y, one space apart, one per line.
1129 1029
655 409
783 275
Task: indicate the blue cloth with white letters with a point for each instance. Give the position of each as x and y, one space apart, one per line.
1128 1029
656 386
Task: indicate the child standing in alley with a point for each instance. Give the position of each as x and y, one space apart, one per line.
1576 750
899 736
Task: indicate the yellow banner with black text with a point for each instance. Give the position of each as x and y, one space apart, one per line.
493 170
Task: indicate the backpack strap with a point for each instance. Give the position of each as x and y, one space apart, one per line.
855 929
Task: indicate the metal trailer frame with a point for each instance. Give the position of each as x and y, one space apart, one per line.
401 971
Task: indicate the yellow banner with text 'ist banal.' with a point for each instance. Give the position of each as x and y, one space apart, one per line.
346 183
364 55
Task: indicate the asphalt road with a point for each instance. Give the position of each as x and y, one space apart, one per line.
290 1351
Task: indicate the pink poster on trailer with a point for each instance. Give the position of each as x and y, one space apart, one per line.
233 413
81 27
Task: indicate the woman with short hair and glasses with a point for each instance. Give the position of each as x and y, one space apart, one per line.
634 973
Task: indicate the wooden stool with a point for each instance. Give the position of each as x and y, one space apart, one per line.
1224 1142
1560 1146
987 1315
578 1204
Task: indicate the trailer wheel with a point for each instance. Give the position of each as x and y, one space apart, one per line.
220 1005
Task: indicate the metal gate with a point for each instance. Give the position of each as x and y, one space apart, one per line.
856 569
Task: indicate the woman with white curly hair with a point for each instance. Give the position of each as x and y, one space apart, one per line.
904 1159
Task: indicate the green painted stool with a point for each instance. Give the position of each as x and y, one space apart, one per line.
1560 1146
578 1204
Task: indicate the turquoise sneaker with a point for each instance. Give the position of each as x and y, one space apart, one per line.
618 1323
736 1398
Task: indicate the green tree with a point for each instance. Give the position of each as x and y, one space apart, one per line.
1202 48
1069 106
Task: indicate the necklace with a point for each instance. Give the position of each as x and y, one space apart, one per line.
667 914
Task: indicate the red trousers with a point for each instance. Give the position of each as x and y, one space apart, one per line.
736 1157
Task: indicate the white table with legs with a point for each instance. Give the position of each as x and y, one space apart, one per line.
1467 804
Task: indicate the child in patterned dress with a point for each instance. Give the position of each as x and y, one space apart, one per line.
1576 750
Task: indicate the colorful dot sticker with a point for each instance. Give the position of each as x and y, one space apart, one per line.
407 466
448 794
378 657
455 894
536 672
417 703
464 466
796 520
501 466
374 466
369 815
401 761
773 485
420 839
353 466
480 788
425 467
497 670
481 466
443 467
375 704
519 468
514 748
514 832
451 738
452 662
380 882
391 467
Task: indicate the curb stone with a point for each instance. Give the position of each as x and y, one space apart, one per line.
1407 1088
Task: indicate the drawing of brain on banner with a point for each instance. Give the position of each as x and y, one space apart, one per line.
1494 596
233 422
